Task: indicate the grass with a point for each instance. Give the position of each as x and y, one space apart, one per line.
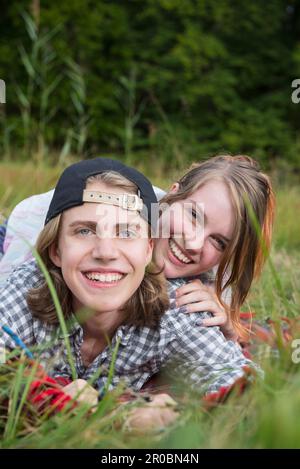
266 416
287 234
19 180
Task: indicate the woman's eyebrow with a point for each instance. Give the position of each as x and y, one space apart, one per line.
227 240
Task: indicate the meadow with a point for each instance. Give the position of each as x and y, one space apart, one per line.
266 415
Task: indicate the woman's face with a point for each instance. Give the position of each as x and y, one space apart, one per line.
102 252
196 231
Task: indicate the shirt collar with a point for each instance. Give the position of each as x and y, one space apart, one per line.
73 327
44 331
123 333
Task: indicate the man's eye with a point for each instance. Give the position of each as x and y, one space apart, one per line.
127 234
84 232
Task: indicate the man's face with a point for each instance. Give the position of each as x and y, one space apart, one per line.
102 252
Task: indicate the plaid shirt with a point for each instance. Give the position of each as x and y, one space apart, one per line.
202 355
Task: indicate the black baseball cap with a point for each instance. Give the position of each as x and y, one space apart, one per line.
72 183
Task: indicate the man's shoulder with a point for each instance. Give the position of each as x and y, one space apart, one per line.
28 274
13 295
176 321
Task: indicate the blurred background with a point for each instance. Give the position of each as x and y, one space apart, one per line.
164 82
155 83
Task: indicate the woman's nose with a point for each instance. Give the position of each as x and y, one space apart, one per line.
194 238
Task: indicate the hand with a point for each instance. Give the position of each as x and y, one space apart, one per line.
198 297
155 415
82 392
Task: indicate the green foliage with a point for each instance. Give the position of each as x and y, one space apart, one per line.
96 75
287 228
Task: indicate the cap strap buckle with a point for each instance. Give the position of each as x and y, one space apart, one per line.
132 202
126 201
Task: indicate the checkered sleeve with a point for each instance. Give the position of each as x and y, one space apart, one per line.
14 311
203 356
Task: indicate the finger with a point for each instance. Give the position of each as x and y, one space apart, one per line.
209 306
193 297
162 399
82 392
215 321
151 418
190 286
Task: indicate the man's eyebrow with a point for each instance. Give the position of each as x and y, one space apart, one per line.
93 224
88 223
129 224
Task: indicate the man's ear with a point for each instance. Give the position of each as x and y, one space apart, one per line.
54 254
174 188
149 251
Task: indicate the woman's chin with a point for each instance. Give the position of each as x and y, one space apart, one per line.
172 271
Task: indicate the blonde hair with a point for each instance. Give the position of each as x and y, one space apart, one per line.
144 308
250 191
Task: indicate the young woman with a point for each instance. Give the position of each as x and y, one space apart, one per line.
208 247
231 190
97 247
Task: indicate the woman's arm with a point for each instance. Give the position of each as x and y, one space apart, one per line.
201 355
197 297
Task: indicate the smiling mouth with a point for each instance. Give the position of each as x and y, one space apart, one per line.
177 252
108 278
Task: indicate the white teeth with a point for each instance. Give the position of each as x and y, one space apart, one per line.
103 277
178 253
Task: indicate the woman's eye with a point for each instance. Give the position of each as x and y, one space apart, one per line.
197 217
219 243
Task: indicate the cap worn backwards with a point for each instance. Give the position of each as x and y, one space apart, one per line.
71 190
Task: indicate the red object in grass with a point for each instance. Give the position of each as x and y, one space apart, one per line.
48 395
247 315
213 399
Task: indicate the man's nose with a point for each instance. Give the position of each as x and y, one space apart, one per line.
105 248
